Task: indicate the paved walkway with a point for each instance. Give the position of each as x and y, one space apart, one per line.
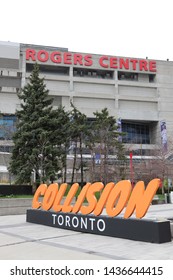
21 240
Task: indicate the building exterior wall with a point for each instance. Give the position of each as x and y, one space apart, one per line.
133 89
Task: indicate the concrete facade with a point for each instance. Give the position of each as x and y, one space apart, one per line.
14 206
133 89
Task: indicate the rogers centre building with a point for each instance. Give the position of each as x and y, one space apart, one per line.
136 90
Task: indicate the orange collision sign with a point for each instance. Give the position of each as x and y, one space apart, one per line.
113 197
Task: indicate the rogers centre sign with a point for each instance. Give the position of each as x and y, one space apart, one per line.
114 198
86 60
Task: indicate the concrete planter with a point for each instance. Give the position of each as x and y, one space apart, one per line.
17 206
14 206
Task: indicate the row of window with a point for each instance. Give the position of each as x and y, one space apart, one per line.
49 69
16 89
136 133
7 73
90 73
131 76
6 149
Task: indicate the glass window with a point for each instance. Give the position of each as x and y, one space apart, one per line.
7 126
127 76
93 73
6 149
137 133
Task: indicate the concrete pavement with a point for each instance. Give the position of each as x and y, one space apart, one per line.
22 240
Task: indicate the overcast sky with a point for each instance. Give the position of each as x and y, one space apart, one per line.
132 28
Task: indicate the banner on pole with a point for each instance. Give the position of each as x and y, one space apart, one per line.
164 135
119 129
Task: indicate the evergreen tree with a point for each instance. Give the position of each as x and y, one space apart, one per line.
36 147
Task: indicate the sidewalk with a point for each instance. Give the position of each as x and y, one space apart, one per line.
21 240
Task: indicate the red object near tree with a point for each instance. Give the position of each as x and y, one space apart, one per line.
161 183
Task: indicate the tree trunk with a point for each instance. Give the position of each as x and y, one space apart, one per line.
74 163
92 166
65 167
81 161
